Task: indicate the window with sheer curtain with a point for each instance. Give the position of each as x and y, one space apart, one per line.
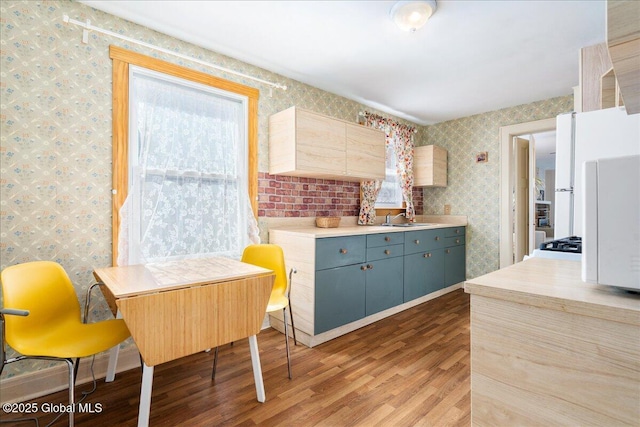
390 195
187 171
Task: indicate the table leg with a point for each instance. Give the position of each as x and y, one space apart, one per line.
257 369
113 358
145 396
113 361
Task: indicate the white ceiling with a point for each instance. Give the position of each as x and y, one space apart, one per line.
471 57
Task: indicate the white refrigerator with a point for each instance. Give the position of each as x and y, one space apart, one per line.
582 137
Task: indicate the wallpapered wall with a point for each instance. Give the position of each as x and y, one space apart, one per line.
55 141
55 155
474 188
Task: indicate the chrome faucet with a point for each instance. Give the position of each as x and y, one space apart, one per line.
388 219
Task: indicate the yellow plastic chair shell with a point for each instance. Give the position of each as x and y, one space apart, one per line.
271 257
53 329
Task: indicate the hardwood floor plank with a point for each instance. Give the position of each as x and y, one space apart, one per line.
411 369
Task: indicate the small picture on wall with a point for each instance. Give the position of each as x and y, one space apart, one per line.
482 157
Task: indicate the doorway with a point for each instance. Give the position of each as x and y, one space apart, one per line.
510 209
533 191
523 184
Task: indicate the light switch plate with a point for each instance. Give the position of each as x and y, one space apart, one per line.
447 209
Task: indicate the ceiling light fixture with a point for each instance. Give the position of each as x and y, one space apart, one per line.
412 15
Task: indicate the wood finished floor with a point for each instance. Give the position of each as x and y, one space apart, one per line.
412 369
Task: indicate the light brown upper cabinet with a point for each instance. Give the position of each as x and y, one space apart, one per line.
623 41
429 166
307 144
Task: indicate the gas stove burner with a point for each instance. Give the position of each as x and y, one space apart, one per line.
571 244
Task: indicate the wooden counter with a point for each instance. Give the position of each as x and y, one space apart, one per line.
355 230
549 349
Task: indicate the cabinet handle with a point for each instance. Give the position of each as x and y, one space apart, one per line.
457 231
427 255
343 251
457 240
387 239
387 252
437 238
363 267
369 267
417 242
448 251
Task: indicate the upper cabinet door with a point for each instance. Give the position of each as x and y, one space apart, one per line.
320 144
308 144
430 166
365 152
623 40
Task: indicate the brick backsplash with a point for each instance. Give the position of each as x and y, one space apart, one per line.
418 200
290 196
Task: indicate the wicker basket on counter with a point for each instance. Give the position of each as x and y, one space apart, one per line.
327 221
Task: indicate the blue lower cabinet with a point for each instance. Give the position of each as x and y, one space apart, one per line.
340 297
423 273
383 284
357 276
454 265
435 272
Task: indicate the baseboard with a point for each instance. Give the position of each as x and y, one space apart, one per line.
21 388
309 340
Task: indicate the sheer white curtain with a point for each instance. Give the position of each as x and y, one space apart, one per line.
188 192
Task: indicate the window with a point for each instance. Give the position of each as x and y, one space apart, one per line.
390 195
187 183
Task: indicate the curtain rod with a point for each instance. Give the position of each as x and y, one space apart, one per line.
88 27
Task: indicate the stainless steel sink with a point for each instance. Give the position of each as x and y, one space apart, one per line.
409 224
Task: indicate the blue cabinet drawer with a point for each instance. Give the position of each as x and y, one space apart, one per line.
454 231
383 252
339 251
453 241
385 239
423 240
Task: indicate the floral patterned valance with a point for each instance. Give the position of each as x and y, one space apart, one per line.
388 125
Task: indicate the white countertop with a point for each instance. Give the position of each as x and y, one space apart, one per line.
557 284
355 230
349 228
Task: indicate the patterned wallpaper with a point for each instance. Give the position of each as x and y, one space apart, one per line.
474 188
55 140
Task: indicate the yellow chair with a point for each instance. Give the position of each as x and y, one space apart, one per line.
41 319
271 257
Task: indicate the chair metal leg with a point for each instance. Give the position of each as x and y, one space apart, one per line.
72 383
291 273
295 341
286 337
215 363
76 367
